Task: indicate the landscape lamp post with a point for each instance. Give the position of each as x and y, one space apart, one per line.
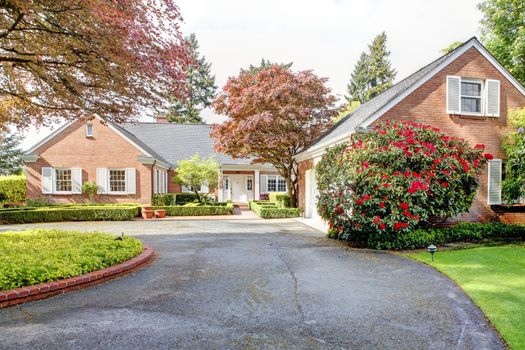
432 249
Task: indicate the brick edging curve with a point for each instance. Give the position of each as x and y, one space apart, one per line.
45 290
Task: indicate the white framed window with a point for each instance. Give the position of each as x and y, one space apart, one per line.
117 180
89 130
275 183
63 180
471 96
249 183
226 183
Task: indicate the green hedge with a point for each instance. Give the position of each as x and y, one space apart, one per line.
197 210
163 199
68 213
37 256
281 199
270 210
464 232
12 189
185 197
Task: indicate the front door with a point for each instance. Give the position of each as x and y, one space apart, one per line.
241 188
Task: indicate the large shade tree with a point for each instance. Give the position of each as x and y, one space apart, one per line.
503 33
273 113
74 58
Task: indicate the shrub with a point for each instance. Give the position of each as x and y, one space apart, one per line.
12 189
68 213
38 256
163 199
392 180
464 232
513 186
90 188
282 200
197 209
270 210
185 197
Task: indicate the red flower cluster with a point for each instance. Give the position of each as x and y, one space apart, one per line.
363 199
400 225
417 186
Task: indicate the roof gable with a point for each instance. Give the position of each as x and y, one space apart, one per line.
370 111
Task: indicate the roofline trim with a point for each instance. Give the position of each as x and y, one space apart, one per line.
474 43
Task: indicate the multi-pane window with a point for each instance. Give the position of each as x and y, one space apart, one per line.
281 184
117 180
471 95
272 184
63 180
249 183
276 183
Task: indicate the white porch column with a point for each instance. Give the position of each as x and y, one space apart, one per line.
257 190
220 188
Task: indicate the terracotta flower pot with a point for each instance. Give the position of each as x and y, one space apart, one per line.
160 213
147 214
147 207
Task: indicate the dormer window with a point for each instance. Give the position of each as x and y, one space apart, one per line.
89 130
471 96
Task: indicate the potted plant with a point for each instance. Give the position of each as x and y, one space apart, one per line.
160 213
147 212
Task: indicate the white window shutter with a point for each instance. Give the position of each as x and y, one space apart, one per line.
131 181
264 183
76 177
453 94
494 190
102 180
492 98
47 180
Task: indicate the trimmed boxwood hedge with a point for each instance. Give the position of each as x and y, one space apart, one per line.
197 210
163 199
281 199
464 232
68 213
270 210
12 189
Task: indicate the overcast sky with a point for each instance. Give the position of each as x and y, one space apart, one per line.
326 36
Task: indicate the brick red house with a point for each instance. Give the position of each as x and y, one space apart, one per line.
131 162
466 93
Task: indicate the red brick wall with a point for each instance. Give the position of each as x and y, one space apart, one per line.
106 149
427 105
173 187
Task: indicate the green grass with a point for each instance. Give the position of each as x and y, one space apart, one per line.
494 277
37 256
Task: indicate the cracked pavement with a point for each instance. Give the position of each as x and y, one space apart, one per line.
252 284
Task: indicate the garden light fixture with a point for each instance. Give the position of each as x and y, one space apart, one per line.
432 249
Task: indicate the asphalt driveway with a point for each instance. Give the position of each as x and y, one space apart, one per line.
252 284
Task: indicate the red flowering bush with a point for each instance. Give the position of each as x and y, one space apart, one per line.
392 180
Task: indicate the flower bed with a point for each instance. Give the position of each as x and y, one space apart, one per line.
74 212
270 210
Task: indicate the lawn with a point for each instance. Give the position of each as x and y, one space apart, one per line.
494 277
37 256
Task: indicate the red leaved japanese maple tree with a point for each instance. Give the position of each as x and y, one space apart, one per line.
273 113
75 58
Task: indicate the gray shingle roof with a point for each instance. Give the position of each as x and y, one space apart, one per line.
353 120
173 142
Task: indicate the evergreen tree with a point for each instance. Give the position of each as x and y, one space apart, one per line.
264 64
10 154
380 73
201 86
358 85
373 73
